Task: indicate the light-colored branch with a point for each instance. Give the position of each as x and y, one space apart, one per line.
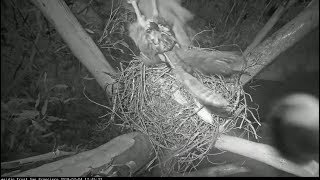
262 55
265 154
133 148
80 43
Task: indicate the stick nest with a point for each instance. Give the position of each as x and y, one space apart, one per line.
144 100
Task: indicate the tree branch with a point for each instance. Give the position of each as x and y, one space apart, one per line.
263 55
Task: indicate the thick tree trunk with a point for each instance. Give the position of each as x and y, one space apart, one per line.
263 55
269 25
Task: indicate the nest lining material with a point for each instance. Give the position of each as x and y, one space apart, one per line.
144 100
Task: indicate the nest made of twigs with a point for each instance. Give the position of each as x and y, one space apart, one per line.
145 101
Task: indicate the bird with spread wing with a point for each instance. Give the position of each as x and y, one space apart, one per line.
160 42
